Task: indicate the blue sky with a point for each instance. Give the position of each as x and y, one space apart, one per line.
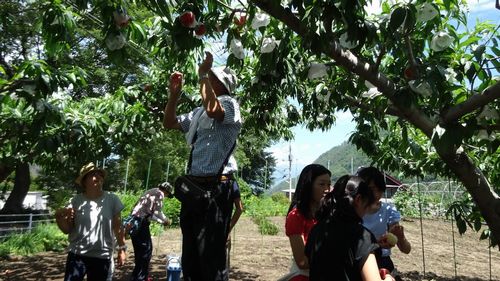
308 146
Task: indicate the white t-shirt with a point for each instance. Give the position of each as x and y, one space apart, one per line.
92 234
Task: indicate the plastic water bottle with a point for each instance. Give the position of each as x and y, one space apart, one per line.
173 268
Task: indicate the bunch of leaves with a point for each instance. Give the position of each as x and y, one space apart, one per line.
265 206
466 214
266 227
44 237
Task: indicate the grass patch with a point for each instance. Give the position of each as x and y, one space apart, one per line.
266 227
45 237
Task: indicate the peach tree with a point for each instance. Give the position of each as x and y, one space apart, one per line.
420 81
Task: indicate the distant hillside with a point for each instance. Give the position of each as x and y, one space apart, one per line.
340 163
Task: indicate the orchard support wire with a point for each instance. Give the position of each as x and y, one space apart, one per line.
489 257
149 171
421 223
453 236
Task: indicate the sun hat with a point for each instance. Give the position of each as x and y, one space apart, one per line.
226 76
90 167
167 187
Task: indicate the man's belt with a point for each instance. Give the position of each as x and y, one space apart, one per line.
212 179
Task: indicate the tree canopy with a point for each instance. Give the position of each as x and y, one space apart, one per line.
89 78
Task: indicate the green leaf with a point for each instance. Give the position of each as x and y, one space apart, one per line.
138 28
447 4
496 51
397 18
462 226
477 224
72 77
469 41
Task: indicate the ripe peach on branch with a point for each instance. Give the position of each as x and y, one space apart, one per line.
188 19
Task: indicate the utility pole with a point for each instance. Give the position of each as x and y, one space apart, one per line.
265 176
352 166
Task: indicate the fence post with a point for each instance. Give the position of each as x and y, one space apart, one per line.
126 174
421 222
168 170
453 236
149 170
30 223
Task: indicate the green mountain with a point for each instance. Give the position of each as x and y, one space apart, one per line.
340 159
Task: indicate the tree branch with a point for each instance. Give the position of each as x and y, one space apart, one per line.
474 102
411 57
349 61
391 110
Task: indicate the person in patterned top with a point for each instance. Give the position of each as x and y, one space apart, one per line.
148 208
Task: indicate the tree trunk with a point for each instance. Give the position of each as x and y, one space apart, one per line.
14 204
478 186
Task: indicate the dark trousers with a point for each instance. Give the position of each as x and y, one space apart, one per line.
204 235
78 266
143 249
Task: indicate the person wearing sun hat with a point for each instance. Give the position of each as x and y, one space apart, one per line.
211 130
92 221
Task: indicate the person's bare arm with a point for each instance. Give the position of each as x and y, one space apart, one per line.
65 219
212 105
238 210
170 112
120 238
403 244
370 271
298 245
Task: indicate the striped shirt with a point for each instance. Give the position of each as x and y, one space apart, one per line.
214 139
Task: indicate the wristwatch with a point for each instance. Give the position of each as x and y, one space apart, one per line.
122 247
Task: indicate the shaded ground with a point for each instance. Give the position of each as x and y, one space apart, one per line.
257 257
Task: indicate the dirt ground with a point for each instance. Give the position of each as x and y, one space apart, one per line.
258 257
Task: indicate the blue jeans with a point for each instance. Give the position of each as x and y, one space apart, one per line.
78 266
143 249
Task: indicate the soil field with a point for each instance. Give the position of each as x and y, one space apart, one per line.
262 257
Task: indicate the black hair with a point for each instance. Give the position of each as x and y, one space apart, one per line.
304 189
340 199
369 174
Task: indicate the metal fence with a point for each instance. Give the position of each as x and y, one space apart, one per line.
21 223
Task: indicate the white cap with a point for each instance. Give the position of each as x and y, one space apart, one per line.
226 76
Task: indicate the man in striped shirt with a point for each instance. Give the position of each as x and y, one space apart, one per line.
211 130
